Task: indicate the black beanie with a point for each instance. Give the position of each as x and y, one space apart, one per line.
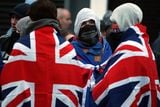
20 10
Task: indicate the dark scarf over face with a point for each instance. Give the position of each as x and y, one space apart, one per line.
88 35
114 39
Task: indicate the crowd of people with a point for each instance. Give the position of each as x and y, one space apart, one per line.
103 63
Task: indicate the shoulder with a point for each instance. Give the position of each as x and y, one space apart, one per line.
105 43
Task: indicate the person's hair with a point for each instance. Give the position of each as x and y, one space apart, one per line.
43 9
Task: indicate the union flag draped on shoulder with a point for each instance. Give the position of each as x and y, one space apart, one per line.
42 72
130 78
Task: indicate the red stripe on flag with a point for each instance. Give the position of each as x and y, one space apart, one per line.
71 96
16 52
19 98
65 50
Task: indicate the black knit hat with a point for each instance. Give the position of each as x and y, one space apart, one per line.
20 10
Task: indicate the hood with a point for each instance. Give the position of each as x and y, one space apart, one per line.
22 24
127 15
84 15
40 23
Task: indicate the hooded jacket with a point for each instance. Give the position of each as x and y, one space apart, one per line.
85 14
130 78
22 24
132 15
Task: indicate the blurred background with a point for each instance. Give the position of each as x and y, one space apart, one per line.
151 10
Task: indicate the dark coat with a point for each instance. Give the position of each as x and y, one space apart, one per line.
156 50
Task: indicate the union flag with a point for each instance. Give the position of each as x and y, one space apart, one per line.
42 72
130 78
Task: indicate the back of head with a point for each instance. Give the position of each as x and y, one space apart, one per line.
126 15
43 9
106 23
106 18
20 10
83 15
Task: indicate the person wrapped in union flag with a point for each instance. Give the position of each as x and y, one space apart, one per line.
42 70
90 46
130 78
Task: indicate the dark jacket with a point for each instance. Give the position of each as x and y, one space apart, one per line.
156 51
7 42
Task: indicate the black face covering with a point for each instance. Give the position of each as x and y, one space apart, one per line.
114 39
88 35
